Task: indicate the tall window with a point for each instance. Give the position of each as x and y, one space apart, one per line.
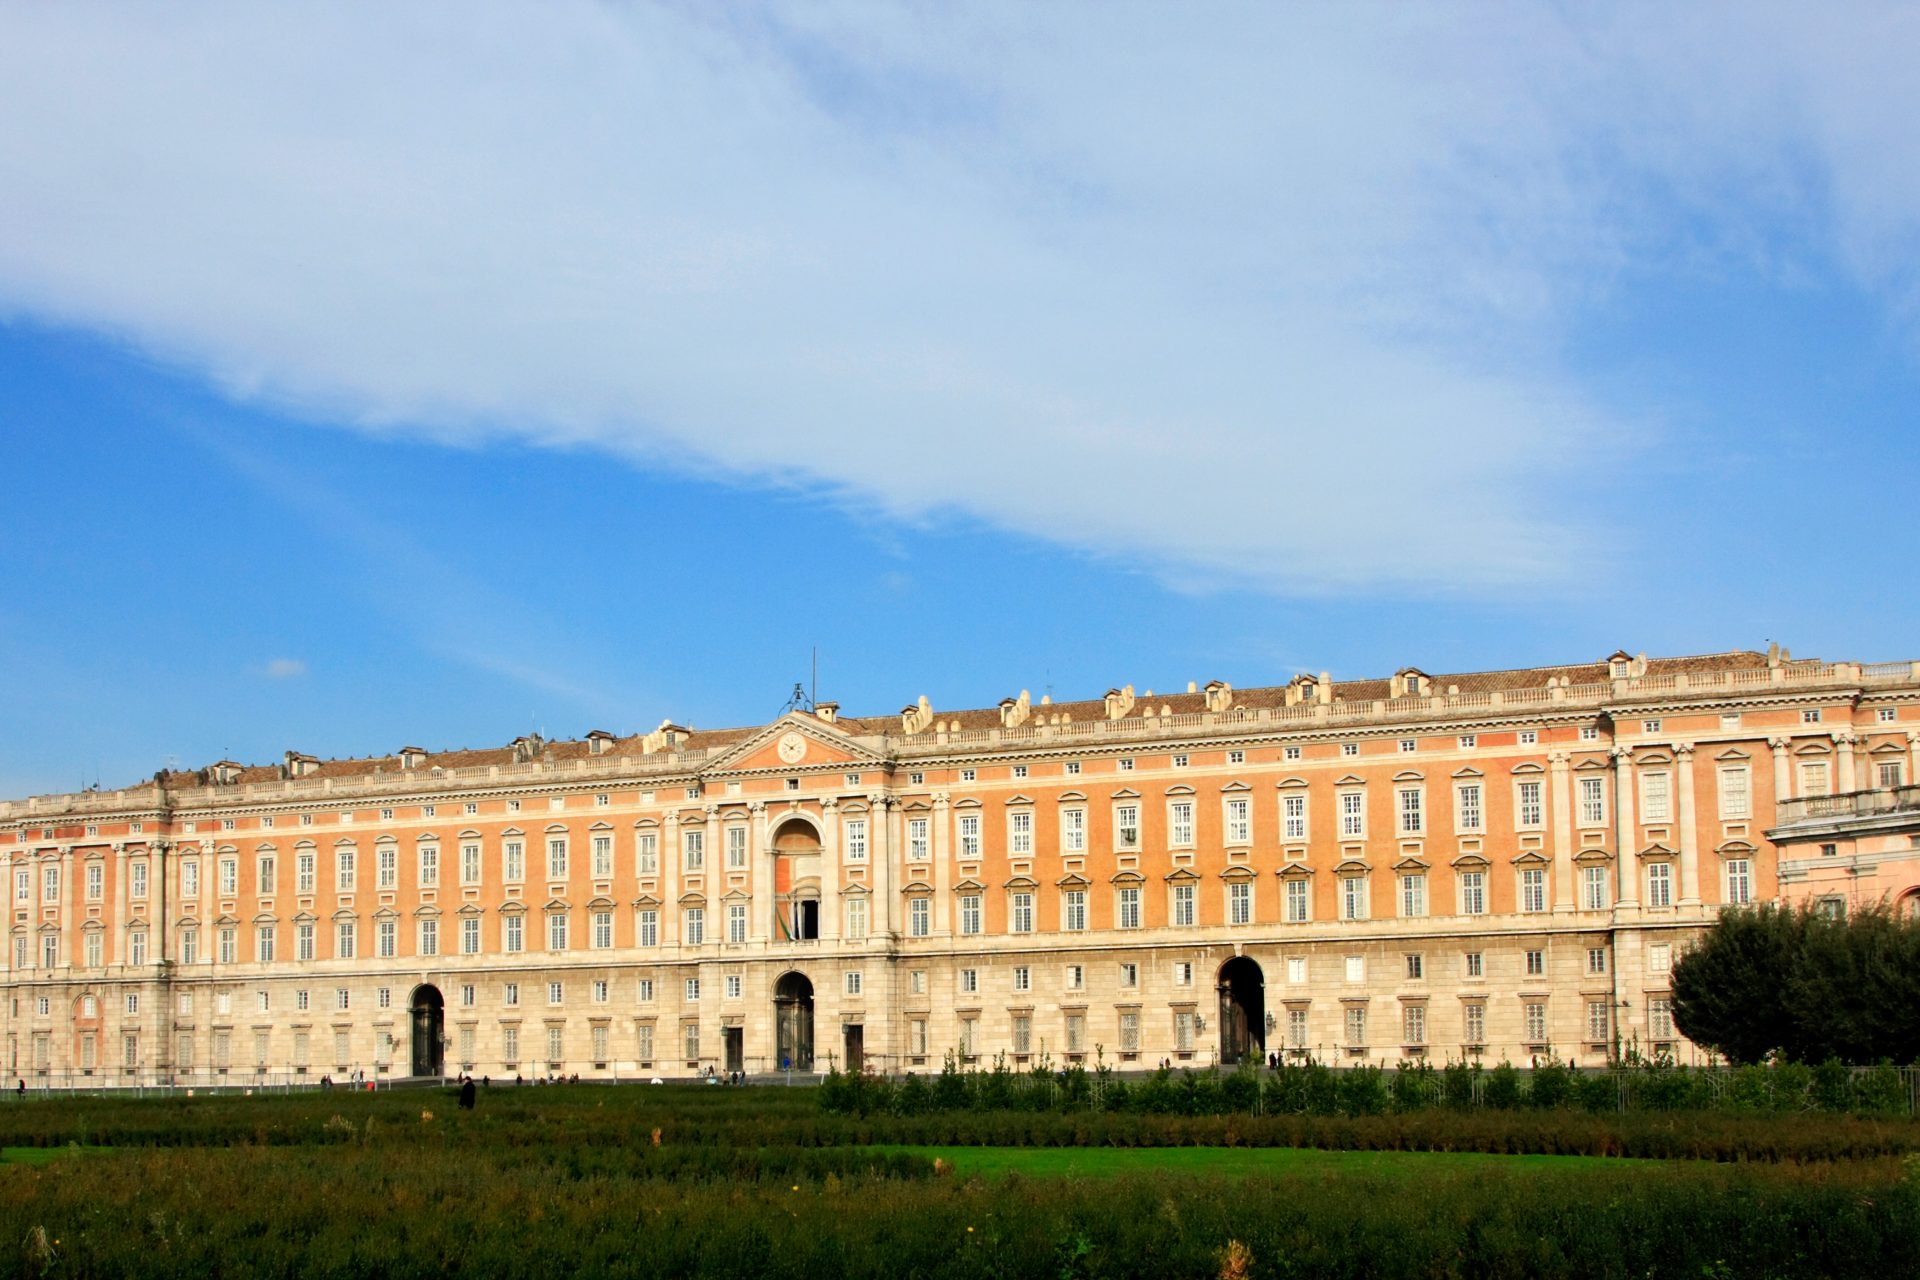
557 931
97 882
919 842
1533 889
1660 884
386 935
1180 823
1660 1017
1239 820
647 927
1240 902
1466 805
1073 830
856 833
1356 1028
1536 1022
343 940
1126 826
513 933
736 922
1473 893
1813 778
1739 881
1183 900
1293 820
429 866
600 849
1735 801
429 937
303 941
1129 907
1353 898
693 928
970 921
389 864
1074 909
693 846
1414 1020
1353 815
856 918
1298 908
1474 1023
1593 802
1593 888
919 917
229 877
1413 894
969 835
1655 797
189 881
343 871
1021 913
513 861
470 863
137 879
1530 810
1411 813
470 936
647 853
737 848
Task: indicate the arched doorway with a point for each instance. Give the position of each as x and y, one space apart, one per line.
429 1031
1243 1010
793 1022
796 881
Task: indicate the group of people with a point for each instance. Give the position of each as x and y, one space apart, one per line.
731 1078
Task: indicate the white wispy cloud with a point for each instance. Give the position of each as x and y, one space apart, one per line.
1235 294
285 669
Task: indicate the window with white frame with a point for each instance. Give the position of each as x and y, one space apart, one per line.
1593 802
691 992
1589 733
1240 902
969 981
693 926
1239 820
1183 905
1535 1018
1476 964
343 870
1533 889
1071 768
855 981
557 931
1293 816
1735 794
1073 830
919 917
513 861
736 922
1353 897
1889 774
1074 909
1660 1017
1529 737
1739 881
1179 762
1022 978
1468 814
1356 1022
1413 894
854 925
513 933
693 848
1020 913
343 940
1409 745
1299 908
1660 884
429 859
647 853
1529 809
1655 797
1349 748
470 936
919 840
856 835
1414 1020
1289 753
969 835
1126 826
1473 893
1596 960
387 859
137 880
1353 815
1127 912
1183 973
1536 963
1180 823
1297 1029
1473 1022
647 927
1810 716
970 913
1813 778
1411 809
600 856
1129 975
469 863
1887 715
303 941
1593 888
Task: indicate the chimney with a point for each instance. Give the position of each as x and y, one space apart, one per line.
1219 695
665 738
1014 711
827 712
1119 702
298 765
412 757
915 718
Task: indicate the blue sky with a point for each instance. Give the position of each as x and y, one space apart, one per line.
372 378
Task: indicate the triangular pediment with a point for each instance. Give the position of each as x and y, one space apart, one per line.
794 741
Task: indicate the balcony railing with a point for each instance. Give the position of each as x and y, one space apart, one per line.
1849 804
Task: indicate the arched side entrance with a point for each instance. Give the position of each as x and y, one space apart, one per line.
429 1032
1243 1010
793 1022
796 881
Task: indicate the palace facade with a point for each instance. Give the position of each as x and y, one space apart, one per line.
1490 865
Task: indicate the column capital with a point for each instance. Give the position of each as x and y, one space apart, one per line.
712 811
1622 756
829 805
1559 759
1843 737
1779 745
1683 749
941 799
756 807
880 800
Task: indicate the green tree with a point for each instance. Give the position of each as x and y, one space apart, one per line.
1729 989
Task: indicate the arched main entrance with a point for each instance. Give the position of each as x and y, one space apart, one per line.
1243 1010
793 1022
429 1032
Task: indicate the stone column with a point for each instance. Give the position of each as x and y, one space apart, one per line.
69 892
1782 770
1626 835
670 856
1913 751
1844 778
880 817
116 940
1689 820
830 873
761 861
943 871
1559 799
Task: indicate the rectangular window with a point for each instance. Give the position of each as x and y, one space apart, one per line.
1411 814
303 941
1183 973
919 917
264 875
1022 1033
919 842
1533 889
1416 966
1413 894
600 851
1739 881
1183 1031
1474 1023
1536 963
1536 1023
1660 1018
91 949
1530 812
736 922
1239 821
386 935
970 914
648 928
1240 902
1529 737
1180 823
969 835
969 981
513 933
1890 774
97 881
856 918
1293 816
691 989
1596 960
1290 753
1126 826
1466 806
509 1045
1469 741
1655 798
1129 974
1128 913
1593 802
647 853
1021 913
1073 830
856 832
1298 901
1810 716
1183 905
1020 832
1734 792
1296 969
557 932
137 880
643 991
189 946
343 940
1353 815
1476 965
1660 884
1414 1025
389 866
513 861
1593 888
1353 898
189 881
737 848
1074 909
136 947
693 928
263 940
470 936
1356 1028
1296 1028
1813 778
693 847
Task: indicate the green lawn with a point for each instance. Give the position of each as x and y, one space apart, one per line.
1107 1162
40 1155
